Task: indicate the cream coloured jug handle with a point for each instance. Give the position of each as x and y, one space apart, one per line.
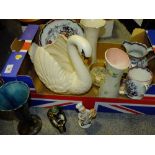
149 49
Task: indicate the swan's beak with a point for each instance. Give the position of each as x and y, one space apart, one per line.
86 60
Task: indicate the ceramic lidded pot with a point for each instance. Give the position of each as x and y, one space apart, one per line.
116 62
91 31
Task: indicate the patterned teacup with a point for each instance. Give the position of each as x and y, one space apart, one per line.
138 81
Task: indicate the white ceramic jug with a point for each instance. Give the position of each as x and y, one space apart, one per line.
138 53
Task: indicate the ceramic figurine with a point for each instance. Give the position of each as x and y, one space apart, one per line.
138 53
57 118
138 81
60 67
116 62
85 116
91 32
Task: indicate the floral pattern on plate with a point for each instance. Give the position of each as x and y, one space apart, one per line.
53 28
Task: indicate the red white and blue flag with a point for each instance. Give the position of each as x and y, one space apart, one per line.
144 106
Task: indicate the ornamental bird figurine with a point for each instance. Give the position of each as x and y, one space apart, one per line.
57 118
60 67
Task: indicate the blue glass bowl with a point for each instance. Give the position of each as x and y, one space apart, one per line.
13 95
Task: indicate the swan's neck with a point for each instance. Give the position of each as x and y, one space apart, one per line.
80 68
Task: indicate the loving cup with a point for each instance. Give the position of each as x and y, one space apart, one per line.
138 82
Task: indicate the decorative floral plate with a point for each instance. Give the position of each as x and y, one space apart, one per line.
53 28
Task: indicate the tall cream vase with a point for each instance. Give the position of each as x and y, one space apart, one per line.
91 29
116 62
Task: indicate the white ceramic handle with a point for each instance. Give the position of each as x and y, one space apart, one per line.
149 49
146 86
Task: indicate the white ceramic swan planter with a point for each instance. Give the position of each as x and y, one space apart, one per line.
60 67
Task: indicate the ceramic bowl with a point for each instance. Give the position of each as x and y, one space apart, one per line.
53 28
13 96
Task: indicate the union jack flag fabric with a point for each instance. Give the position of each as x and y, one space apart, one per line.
112 105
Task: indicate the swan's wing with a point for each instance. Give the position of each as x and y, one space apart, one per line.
51 73
61 42
39 58
59 51
32 51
